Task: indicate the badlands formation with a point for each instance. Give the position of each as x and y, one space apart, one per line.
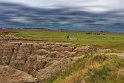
28 61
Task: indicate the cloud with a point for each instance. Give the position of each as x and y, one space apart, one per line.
84 5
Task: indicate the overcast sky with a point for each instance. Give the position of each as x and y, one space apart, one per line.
85 5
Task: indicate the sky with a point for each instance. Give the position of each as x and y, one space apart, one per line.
97 6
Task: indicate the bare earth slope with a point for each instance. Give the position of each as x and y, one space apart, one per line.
24 61
12 75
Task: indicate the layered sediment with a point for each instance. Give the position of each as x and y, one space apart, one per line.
26 61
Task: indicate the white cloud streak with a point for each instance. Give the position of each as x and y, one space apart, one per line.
97 6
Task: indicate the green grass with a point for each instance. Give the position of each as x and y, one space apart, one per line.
108 40
108 72
70 69
44 35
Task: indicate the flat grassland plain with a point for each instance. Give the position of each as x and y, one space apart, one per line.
95 67
100 39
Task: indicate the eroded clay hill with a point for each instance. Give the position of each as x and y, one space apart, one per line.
24 61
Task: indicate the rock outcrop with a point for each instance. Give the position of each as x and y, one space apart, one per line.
35 58
12 75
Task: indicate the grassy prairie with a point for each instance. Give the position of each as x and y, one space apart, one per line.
100 39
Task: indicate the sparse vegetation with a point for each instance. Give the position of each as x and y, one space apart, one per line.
108 72
92 68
